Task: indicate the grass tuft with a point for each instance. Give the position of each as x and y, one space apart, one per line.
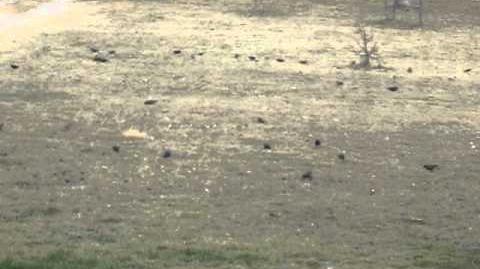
57 260
446 257
208 257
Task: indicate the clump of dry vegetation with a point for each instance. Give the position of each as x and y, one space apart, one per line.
367 50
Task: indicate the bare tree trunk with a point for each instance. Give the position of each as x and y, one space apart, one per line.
404 5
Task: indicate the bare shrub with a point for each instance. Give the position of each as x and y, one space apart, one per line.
367 49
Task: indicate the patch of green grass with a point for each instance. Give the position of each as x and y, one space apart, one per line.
163 256
208 257
446 257
57 260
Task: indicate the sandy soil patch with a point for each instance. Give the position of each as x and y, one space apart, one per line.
17 28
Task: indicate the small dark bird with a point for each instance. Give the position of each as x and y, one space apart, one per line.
430 167
280 60
467 70
116 148
14 66
100 58
167 154
273 215
318 143
339 83
236 55
150 102
267 146
341 156
303 62
200 53
261 120
307 175
252 58
177 52
409 70
392 88
93 49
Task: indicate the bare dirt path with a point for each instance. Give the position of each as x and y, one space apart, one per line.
18 28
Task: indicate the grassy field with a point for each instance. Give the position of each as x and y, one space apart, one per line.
222 134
